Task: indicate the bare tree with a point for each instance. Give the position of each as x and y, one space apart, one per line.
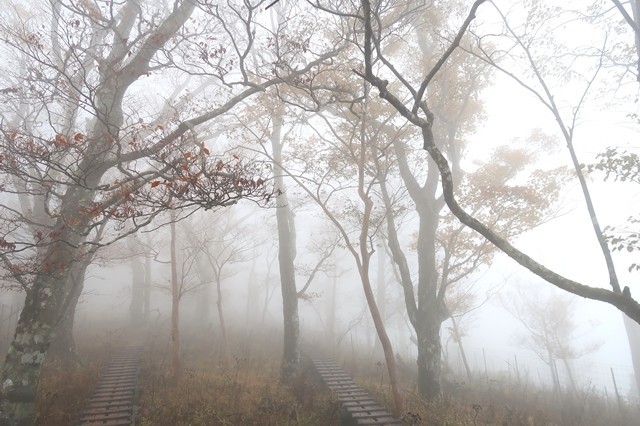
551 328
183 279
230 242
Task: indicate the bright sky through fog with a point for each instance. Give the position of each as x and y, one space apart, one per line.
567 244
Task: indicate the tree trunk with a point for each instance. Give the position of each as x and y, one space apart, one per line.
47 302
554 373
458 339
633 337
252 294
203 307
175 303
331 308
365 260
431 310
572 383
286 257
21 371
223 329
382 335
267 294
63 347
146 307
429 352
381 288
291 356
136 306
45 306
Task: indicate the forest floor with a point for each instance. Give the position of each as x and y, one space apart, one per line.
239 386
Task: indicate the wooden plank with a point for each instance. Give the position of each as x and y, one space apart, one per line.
359 403
113 392
126 416
106 406
387 421
114 399
117 385
382 413
369 408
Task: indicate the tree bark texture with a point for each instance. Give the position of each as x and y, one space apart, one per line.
286 256
63 347
46 304
431 312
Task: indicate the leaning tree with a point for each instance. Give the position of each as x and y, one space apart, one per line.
412 102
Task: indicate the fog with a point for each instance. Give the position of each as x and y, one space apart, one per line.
440 197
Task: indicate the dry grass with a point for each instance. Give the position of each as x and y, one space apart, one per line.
240 386
212 389
243 390
497 401
63 390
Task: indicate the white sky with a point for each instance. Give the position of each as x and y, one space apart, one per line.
567 244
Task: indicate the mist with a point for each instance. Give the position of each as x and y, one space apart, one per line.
319 213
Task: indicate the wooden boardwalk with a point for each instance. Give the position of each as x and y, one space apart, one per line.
359 406
113 401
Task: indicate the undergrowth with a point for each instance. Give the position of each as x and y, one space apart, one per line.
240 386
500 400
242 389
66 386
